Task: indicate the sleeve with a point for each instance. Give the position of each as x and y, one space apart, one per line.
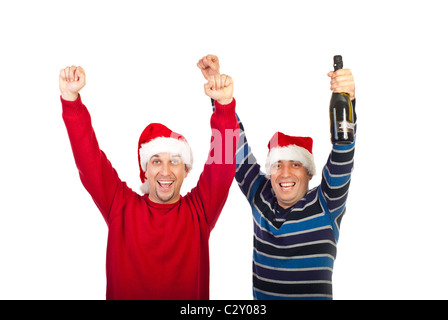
96 172
216 178
248 173
336 177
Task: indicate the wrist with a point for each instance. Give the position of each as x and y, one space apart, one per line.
224 102
70 96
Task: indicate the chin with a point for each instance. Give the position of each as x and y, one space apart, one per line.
290 199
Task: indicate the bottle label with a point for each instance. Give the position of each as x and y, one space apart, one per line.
345 125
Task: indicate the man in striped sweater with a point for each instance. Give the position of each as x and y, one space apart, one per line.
295 229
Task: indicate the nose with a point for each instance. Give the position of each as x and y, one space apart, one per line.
285 172
165 169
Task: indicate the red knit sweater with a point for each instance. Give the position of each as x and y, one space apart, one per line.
154 251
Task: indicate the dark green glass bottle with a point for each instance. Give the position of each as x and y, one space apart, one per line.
342 124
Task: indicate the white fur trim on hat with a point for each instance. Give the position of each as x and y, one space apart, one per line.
144 187
291 153
170 145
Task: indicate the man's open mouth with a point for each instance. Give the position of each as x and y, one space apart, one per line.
165 183
287 185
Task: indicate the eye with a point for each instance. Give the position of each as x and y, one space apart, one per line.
296 164
155 162
276 165
175 160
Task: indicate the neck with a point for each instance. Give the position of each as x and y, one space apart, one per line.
285 206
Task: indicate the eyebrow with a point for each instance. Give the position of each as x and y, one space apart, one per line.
297 161
172 156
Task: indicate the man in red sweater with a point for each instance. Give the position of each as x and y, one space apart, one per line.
157 244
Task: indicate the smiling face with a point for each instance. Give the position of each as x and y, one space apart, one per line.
290 182
165 174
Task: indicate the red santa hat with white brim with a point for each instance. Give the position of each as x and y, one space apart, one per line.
155 139
289 148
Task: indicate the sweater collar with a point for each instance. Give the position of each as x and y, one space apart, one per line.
156 205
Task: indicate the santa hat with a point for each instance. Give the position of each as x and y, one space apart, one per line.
156 138
284 147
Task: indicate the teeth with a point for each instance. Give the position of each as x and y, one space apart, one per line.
166 182
286 185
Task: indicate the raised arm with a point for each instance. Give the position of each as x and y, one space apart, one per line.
215 180
248 174
336 175
96 173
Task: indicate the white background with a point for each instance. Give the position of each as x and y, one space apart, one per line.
140 60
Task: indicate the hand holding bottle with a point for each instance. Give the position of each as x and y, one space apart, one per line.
342 82
342 126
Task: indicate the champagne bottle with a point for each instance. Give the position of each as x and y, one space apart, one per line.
342 124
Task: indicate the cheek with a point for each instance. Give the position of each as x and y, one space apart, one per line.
150 173
274 184
181 174
274 175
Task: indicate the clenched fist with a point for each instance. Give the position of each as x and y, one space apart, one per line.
209 65
71 81
220 88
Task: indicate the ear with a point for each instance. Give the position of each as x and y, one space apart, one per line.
186 171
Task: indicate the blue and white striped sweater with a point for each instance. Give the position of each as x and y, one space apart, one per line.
294 251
